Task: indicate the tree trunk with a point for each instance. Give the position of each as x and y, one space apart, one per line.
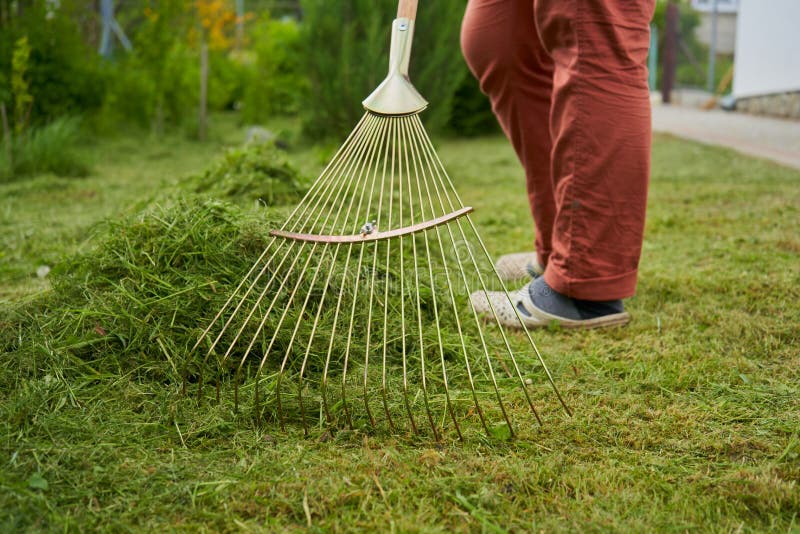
670 56
239 24
202 117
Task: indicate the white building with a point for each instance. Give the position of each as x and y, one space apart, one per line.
767 58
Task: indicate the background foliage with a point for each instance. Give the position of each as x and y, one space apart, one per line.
275 85
312 59
346 45
63 72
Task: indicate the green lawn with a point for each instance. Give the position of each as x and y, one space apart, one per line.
686 420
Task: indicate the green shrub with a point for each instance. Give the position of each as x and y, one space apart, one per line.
276 82
472 112
149 96
228 79
346 52
155 85
20 87
50 148
63 72
256 172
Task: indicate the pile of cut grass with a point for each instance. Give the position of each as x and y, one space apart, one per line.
256 172
136 300
139 300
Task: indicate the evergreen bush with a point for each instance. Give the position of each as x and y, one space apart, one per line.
346 53
276 82
472 112
63 73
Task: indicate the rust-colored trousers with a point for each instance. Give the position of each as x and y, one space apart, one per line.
568 82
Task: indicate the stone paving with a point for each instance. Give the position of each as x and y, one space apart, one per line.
765 137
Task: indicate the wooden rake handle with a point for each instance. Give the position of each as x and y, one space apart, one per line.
407 9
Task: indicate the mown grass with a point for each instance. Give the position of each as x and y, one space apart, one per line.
688 419
43 217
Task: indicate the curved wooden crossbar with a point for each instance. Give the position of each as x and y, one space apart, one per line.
375 236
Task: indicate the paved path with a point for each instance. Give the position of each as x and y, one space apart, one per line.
775 139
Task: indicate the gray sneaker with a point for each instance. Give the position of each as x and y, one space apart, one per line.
569 313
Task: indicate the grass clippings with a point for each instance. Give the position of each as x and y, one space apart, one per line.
686 420
256 172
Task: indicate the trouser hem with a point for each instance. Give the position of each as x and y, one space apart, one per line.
598 289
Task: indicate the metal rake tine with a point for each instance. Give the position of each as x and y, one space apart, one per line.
449 406
314 330
418 160
484 288
523 385
488 256
419 303
349 184
336 317
305 303
294 334
384 144
484 346
280 323
339 192
349 337
263 320
403 296
431 165
341 188
450 285
525 329
384 393
221 311
368 126
311 339
368 335
355 292
417 165
372 280
305 204
494 312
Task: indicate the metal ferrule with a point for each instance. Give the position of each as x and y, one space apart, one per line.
396 95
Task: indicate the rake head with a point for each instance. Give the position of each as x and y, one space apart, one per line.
357 313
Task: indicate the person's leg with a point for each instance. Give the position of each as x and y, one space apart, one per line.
500 43
600 126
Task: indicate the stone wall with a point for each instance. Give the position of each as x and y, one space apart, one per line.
785 105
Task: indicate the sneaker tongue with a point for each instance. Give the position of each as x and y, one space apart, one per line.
547 299
533 269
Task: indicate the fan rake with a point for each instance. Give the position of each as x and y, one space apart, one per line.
365 288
